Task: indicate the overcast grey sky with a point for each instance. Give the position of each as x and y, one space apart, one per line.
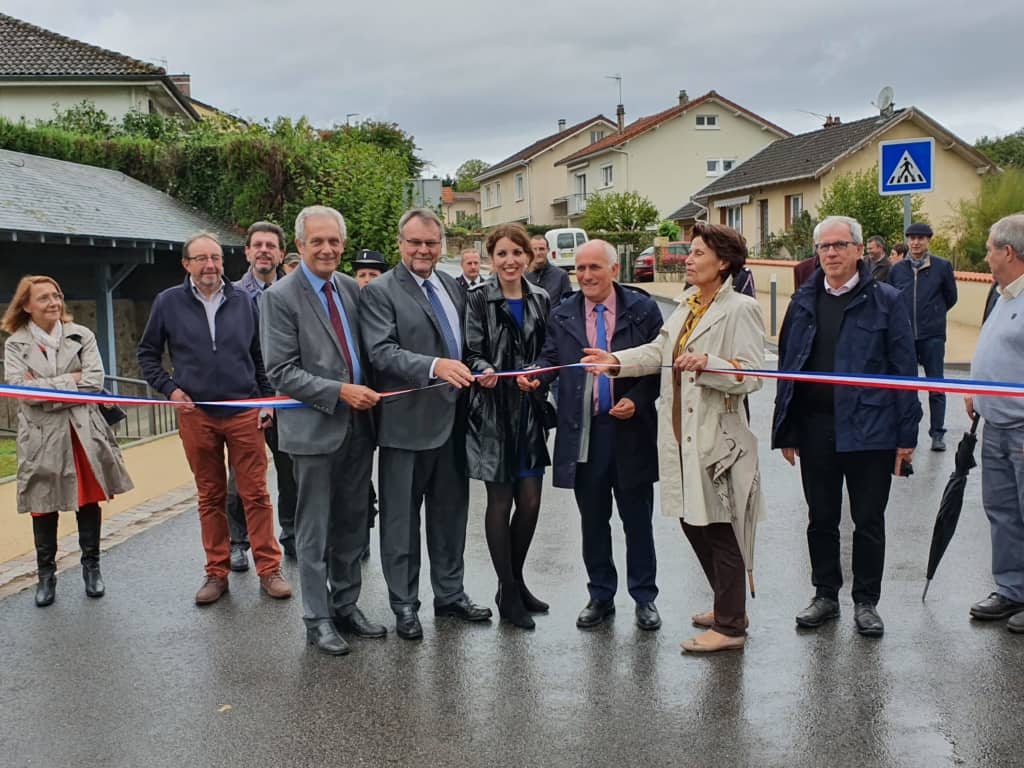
479 79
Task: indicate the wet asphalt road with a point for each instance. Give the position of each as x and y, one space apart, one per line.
145 678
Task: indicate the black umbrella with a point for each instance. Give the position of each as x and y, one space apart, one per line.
952 502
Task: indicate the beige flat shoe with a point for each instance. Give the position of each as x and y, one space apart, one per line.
711 641
707 620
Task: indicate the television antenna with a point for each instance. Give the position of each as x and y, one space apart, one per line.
617 78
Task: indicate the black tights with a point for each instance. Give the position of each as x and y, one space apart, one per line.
509 539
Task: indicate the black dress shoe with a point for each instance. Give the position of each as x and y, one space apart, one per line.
595 612
464 609
239 559
647 616
531 603
355 623
1016 623
820 610
326 639
407 624
869 623
511 608
995 606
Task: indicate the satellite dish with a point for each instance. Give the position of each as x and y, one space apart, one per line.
884 99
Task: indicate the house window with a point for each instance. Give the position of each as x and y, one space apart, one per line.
707 122
487 196
607 179
734 217
727 165
460 217
497 193
794 207
712 166
519 187
596 135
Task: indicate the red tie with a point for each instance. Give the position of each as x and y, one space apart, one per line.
339 329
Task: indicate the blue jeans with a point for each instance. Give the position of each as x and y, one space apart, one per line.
931 354
1002 493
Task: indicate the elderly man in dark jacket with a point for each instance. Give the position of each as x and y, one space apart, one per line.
928 288
842 320
601 450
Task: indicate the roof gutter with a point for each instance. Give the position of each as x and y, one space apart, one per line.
491 173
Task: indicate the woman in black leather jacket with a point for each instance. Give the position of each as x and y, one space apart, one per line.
506 443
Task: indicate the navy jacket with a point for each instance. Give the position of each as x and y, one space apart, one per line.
874 337
228 370
928 294
637 321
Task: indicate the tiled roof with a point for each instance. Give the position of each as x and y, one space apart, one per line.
447 195
54 197
799 157
644 124
539 146
688 212
28 51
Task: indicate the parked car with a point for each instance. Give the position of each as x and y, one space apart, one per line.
562 246
673 261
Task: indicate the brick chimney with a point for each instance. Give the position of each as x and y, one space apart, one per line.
829 122
620 114
683 98
561 124
183 83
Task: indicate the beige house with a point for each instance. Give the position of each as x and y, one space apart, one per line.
526 186
667 156
41 71
767 192
459 209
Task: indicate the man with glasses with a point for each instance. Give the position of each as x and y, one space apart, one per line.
928 288
412 331
210 330
842 320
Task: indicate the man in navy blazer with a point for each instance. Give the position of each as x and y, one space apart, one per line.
607 437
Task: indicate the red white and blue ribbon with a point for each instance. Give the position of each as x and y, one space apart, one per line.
970 387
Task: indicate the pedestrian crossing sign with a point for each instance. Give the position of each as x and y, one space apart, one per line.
906 166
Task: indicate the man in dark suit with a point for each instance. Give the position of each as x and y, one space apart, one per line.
412 331
470 277
311 342
607 437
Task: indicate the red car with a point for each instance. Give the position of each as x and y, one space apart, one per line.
674 260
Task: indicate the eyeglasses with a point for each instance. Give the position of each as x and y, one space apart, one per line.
206 259
838 245
431 244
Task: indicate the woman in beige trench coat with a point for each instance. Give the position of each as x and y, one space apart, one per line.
713 327
67 456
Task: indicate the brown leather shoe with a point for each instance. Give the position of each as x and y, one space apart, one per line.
711 641
274 585
707 620
212 590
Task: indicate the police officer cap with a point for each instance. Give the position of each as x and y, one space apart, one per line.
919 228
367 259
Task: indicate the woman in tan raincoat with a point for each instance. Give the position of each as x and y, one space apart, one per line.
707 453
67 456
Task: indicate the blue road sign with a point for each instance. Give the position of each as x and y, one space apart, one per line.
906 166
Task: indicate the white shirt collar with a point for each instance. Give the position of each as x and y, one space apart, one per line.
846 287
1013 290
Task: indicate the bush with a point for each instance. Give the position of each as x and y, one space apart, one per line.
1000 196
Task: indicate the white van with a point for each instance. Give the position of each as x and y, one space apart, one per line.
562 246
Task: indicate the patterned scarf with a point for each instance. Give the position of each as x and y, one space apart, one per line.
697 311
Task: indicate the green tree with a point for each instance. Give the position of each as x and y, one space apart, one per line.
669 229
83 118
619 212
387 136
856 194
1007 151
465 174
1000 196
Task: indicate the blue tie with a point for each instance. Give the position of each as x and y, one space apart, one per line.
604 385
442 320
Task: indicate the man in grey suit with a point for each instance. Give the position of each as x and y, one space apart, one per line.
310 334
412 330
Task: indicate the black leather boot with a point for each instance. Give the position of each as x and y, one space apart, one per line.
511 608
89 542
44 529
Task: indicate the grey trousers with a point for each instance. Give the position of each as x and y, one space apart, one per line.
330 523
1002 492
410 480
